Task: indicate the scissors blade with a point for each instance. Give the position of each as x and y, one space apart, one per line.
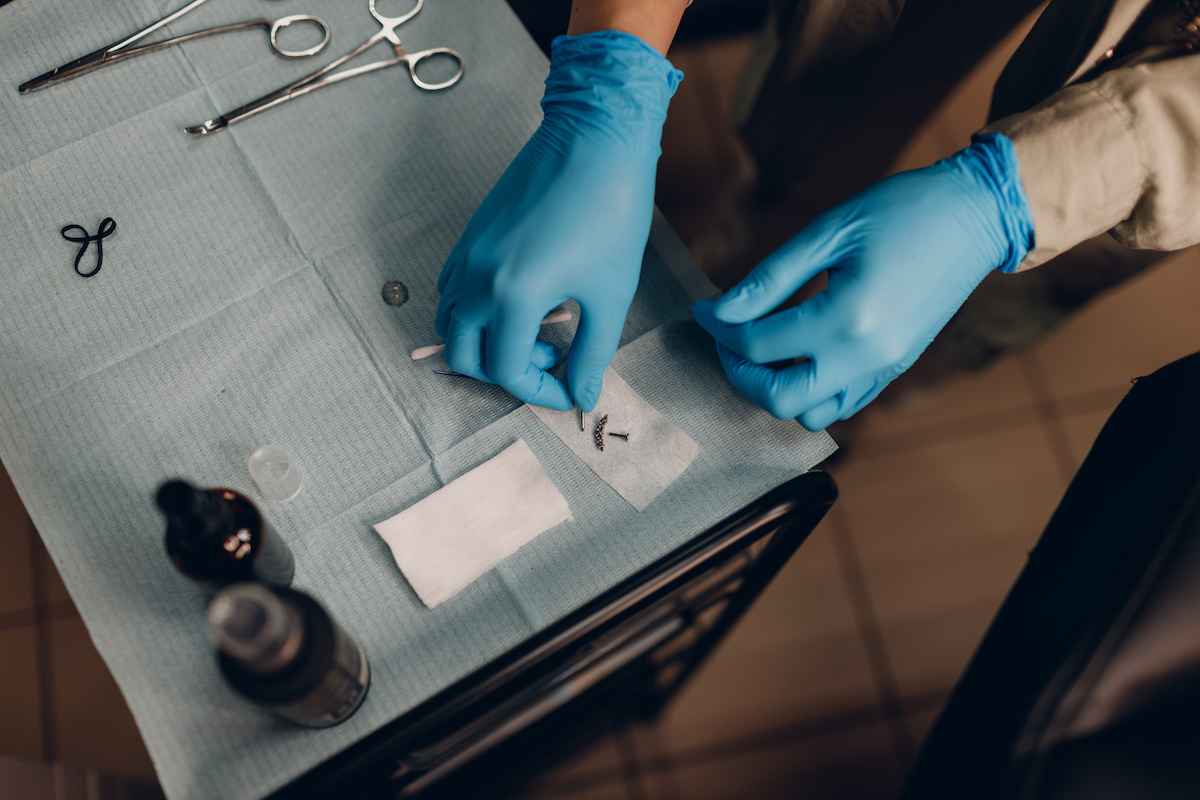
67 71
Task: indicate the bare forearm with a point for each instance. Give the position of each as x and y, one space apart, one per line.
652 21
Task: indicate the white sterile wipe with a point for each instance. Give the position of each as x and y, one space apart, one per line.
640 467
445 541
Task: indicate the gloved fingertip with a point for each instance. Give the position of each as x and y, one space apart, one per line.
441 318
546 355
702 312
551 393
730 308
589 393
822 416
549 402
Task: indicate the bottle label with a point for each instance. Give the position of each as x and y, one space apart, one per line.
340 693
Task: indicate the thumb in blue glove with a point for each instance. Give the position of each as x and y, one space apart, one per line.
902 256
568 219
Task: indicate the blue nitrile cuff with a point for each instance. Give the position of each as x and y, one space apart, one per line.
612 79
994 161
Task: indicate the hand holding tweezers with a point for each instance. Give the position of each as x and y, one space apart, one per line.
122 50
318 79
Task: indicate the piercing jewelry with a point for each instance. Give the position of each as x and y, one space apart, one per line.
624 436
581 420
600 432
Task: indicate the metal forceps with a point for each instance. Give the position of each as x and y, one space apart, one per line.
318 79
122 49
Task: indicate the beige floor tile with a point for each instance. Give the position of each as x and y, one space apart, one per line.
965 110
699 146
795 656
857 764
967 403
27 780
726 58
93 724
1129 332
942 531
689 171
16 584
922 723
936 610
610 790
934 141
685 133
20 716
597 764
1082 430
55 589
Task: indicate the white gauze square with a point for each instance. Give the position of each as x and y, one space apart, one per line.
639 468
447 540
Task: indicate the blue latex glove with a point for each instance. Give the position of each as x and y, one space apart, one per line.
568 219
902 257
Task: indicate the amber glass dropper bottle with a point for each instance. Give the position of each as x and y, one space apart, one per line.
217 537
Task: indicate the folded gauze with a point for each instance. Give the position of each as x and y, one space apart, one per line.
639 467
445 541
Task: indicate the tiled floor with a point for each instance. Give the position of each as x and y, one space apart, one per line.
827 687
58 701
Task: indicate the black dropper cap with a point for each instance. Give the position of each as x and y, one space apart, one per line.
196 519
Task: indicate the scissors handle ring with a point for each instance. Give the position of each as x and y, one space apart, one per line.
283 22
413 59
392 22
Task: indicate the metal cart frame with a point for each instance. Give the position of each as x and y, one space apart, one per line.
618 657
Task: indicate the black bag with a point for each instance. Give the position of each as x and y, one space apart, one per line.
1087 684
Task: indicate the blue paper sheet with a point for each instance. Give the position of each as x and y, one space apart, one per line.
239 305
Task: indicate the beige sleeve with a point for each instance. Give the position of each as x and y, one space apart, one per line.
1119 153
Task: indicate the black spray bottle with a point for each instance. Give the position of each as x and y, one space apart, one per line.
281 650
217 537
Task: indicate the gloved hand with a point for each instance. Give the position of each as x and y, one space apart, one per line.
902 257
568 219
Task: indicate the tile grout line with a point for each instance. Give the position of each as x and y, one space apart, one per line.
985 423
808 730
1048 414
869 630
45 653
29 616
631 769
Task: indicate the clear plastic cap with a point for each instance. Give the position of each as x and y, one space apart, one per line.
277 476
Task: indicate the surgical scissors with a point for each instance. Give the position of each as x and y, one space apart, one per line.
317 79
122 50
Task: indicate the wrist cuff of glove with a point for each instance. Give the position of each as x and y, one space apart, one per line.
994 161
612 79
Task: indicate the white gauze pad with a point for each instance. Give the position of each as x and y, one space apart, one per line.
445 541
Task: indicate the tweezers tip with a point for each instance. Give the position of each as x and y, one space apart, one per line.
211 126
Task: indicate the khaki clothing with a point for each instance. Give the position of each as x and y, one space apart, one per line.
1106 144
1114 147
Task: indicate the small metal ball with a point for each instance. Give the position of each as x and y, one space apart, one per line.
395 293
